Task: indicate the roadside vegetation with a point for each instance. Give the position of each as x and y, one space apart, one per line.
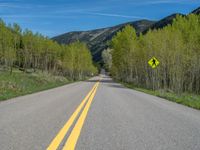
188 99
176 46
20 83
31 62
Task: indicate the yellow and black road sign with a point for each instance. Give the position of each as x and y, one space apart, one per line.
153 62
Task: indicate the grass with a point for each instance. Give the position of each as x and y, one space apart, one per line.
20 83
186 99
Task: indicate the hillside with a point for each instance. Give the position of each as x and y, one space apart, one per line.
163 22
196 11
97 39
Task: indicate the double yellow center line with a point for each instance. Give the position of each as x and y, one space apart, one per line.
74 135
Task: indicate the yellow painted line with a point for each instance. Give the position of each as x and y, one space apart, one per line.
73 138
61 134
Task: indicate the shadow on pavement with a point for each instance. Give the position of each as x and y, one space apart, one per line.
107 80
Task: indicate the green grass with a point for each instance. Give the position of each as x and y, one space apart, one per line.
186 99
20 83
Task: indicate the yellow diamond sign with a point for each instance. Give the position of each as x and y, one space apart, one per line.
153 62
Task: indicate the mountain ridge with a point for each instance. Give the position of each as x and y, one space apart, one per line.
97 39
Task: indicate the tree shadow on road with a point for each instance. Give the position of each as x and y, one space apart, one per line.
109 82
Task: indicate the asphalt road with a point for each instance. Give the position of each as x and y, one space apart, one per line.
117 119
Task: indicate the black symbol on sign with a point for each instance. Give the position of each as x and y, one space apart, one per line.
154 62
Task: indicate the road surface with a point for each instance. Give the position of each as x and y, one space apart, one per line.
112 118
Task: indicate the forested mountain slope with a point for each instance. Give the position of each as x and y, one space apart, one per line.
163 22
97 40
196 11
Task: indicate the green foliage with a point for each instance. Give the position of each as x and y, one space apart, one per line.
176 46
77 61
32 51
124 48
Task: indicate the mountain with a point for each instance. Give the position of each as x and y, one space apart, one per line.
163 22
97 40
196 11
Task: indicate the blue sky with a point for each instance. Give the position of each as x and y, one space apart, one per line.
54 17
